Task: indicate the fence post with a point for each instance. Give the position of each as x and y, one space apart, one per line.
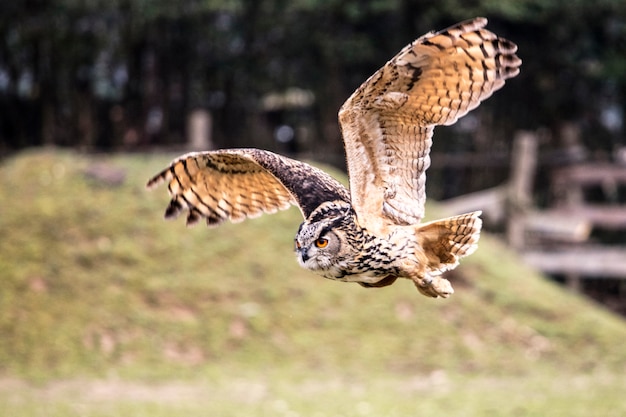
523 166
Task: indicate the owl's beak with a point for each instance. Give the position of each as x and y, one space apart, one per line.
304 254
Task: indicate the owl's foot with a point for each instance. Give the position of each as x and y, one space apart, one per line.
434 287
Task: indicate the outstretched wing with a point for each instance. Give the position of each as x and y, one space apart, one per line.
387 124
234 184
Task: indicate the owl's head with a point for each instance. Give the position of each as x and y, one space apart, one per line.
323 241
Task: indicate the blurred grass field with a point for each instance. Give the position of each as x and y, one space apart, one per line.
107 310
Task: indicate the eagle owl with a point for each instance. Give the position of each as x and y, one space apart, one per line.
372 233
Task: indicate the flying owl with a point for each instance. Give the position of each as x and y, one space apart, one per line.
372 233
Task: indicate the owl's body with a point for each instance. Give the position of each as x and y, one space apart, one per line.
351 253
371 234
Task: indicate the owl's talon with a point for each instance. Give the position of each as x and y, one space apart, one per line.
434 287
443 288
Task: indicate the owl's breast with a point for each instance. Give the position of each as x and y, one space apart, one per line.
370 277
376 263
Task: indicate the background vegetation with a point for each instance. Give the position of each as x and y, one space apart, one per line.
126 73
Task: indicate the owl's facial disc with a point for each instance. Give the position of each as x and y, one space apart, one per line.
316 246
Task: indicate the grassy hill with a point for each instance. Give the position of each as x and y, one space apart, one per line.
94 284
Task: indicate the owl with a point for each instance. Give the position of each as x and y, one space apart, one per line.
372 233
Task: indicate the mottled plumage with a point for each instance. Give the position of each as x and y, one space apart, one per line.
373 233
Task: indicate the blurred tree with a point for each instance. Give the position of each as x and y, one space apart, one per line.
126 73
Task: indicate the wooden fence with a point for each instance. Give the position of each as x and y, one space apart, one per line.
557 239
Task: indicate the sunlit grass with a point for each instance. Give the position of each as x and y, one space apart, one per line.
315 394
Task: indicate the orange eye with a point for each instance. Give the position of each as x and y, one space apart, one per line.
298 246
321 242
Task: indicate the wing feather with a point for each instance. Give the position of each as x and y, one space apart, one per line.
387 124
235 184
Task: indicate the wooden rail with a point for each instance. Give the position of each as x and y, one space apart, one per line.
603 216
583 260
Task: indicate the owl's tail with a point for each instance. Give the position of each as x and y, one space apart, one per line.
445 241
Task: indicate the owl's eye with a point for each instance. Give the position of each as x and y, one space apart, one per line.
321 242
298 245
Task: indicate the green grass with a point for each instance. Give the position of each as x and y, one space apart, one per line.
276 394
106 309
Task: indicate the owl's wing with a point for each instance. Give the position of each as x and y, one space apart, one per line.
234 184
387 123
